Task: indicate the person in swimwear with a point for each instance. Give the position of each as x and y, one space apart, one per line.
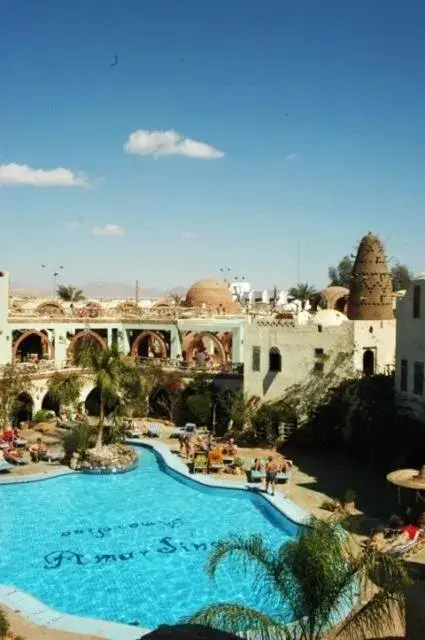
271 473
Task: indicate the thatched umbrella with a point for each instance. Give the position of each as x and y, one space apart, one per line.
407 479
188 632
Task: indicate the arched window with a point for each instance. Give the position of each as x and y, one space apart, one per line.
275 360
368 362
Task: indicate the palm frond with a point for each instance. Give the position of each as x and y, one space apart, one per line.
241 620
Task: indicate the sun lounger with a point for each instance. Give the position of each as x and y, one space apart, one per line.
154 430
15 459
5 466
258 476
200 463
51 456
407 546
20 442
215 466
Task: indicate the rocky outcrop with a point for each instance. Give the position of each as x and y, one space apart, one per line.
114 458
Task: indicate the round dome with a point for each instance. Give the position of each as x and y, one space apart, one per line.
329 318
333 297
211 293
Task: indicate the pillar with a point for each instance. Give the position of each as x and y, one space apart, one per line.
61 346
5 333
175 343
237 345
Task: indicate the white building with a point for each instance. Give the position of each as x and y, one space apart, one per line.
410 345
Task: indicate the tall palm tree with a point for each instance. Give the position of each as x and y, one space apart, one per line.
302 292
113 375
319 580
70 294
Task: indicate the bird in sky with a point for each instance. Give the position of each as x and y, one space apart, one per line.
115 62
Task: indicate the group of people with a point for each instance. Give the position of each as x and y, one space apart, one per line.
399 535
272 467
191 444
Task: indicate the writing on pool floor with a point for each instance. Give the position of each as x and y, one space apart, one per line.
56 559
102 532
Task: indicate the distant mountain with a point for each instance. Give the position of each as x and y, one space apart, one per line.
101 290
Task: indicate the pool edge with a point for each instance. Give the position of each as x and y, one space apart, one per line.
42 615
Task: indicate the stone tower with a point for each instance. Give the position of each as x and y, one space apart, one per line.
371 284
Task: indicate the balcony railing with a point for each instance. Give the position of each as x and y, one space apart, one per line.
46 366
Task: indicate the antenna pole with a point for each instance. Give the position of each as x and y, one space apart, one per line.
137 292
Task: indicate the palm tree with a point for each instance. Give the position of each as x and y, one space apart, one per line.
302 292
65 388
70 294
114 376
319 580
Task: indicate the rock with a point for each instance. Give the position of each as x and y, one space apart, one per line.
116 456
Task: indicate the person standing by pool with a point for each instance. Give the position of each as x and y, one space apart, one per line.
271 473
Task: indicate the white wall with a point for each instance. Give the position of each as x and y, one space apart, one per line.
297 347
380 337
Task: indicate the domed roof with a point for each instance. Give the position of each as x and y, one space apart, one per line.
211 293
329 318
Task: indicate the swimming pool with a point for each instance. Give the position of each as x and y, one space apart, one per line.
129 548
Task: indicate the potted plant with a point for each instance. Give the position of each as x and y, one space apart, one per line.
348 500
238 464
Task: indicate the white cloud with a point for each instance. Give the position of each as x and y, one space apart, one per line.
190 235
109 230
17 175
292 156
168 143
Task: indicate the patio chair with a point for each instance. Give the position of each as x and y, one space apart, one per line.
51 456
14 459
406 546
5 466
200 462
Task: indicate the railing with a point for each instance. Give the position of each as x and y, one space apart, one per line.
45 366
235 368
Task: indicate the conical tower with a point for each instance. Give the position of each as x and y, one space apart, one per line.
371 285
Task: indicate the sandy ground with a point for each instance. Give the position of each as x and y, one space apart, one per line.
314 479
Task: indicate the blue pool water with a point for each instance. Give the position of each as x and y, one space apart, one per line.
130 548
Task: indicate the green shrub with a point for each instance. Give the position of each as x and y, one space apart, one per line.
81 438
238 462
4 625
349 497
43 415
330 505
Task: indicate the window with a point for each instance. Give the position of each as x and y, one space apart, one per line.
256 358
319 367
404 370
275 360
319 328
417 301
418 378
319 353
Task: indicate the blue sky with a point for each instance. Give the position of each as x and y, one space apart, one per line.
311 115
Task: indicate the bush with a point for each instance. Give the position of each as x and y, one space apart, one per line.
238 462
4 625
43 415
349 497
330 505
81 438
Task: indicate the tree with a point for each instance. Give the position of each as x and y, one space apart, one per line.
319 579
65 388
401 276
340 276
112 373
13 381
70 294
302 292
242 409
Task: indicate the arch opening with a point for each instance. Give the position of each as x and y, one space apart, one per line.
32 346
50 403
275 360
92 403
83 340
23 409
149 344
368 362
205 348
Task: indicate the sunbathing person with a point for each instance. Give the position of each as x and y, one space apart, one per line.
407 537
38 450
377 540
285 465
